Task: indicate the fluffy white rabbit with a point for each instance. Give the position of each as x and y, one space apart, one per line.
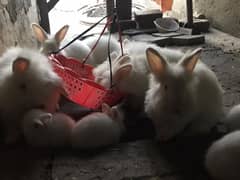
27 80
42 129
132 81
51 43
182 93
98 129
232 119
223 157
100 53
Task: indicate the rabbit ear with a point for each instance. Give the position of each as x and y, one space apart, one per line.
189 62
106 109
20 65
123 60
45 118
122 72
125 42
39 33
115 114
156 62
59 36
109 111
37 123
114 55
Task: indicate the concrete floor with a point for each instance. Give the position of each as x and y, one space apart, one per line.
140 157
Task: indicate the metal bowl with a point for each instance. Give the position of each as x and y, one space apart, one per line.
165 25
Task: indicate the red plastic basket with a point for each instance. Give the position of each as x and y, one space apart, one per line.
79 84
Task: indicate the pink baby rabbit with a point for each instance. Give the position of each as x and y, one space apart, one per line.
98 129
27 80
181 94
223 157
51 43
42 129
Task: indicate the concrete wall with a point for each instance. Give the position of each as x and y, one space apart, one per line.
223 14
15 19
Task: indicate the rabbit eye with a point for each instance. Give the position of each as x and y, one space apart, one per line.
165 87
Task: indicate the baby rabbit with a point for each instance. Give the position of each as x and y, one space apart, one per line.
232 119
223 157
42 129
100 53
27 80
130 72
98 129
181 94
51 43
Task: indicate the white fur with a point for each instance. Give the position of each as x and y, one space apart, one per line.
178 96
101 68
51 43
232 119
78 49
100 53
43 129
223 157
39 79
134 84
98 130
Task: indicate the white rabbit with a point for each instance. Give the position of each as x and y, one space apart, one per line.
51 43
181 94
27 80
232 119
42 129
223 157
131 81
100 53
98 129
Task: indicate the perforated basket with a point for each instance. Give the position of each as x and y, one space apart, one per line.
78 81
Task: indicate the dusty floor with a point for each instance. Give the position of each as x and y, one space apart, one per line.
141 158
